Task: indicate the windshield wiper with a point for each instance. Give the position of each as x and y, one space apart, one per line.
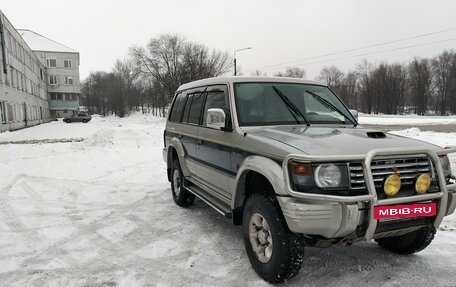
328 104
291 106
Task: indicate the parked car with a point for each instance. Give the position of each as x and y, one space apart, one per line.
287 160
79 117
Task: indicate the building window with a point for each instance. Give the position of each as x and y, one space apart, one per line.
51 63
18 80
10 111
13 48
68 80
8 40
12 74
53 80
67 63
71 97
2 112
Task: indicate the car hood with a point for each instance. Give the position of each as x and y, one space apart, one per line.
337 141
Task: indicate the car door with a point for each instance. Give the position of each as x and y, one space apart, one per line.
213 149
187 130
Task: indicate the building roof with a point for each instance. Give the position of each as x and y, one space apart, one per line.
38 42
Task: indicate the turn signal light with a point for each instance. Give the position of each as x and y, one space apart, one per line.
299 168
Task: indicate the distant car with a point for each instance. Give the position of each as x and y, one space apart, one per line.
79 117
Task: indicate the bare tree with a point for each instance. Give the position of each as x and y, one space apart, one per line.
420 84
292 72
169 61
441 67
452 84
126 74
93 92
348 90
332 76
199 63
365 71
389 88
258 73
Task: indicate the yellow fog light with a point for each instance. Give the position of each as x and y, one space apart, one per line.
422 183
392 185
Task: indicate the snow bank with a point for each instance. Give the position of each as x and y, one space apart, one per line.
409 120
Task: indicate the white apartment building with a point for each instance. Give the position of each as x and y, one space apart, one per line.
23 82
62 66
39 78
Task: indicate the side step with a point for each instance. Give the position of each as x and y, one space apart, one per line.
217 204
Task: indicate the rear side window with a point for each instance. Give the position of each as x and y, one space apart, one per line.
177 109
187 109
195 108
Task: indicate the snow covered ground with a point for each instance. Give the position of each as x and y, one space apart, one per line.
409 120
100 213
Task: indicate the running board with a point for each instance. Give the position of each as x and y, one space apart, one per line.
211 200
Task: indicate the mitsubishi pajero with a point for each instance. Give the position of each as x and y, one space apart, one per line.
287 160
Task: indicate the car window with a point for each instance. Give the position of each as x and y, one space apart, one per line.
288 103
215 99
178 107
187 109
195 108
81 115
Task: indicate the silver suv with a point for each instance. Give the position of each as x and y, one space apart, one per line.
286 159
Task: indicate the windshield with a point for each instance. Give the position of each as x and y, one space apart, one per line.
288 103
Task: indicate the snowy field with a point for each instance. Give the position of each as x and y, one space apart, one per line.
408 120
100 213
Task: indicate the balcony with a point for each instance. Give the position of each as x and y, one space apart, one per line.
64 105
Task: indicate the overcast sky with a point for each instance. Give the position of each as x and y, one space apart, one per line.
279 31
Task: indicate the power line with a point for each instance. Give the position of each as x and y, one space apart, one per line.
354 49
377 52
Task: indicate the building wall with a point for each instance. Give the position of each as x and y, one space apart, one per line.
64 87
23 82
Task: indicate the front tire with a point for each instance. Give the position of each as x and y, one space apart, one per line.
409 243
276 254
84 121
181 196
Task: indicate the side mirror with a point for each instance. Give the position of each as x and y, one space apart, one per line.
215 118
354 114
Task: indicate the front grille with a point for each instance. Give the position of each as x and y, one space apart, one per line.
356 175
408 168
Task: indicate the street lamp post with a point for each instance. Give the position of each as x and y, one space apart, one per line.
248 48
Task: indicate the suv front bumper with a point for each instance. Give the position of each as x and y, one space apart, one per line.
333 219
338 216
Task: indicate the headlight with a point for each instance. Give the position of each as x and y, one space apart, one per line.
319 178
331 176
